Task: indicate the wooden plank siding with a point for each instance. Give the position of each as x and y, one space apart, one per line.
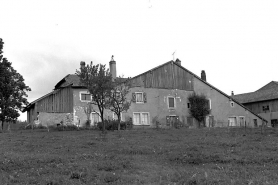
60 101
169 76
257 107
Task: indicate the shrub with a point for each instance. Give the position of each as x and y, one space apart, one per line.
88 123
113 125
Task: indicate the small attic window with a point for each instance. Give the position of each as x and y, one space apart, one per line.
232 104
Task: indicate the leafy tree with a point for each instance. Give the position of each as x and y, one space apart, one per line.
199 107
13 91
117 101
98 81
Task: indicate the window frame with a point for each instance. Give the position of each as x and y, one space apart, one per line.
91 117
87 93
265 108
115 117
136 97
243 120
209 103
140 118
168 103
232 104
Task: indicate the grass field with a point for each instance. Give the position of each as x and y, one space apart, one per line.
166 156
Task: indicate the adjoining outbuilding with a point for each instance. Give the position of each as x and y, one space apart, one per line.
263 102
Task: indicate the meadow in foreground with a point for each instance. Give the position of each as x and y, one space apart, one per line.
144 156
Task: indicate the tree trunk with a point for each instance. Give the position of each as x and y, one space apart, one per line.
9 127
2 126
119 122
103 123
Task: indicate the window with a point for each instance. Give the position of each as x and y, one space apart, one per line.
188 105
145 118
209 104
232 104
266 108
241 121
85 96
255 123
171 103
141 118
139 97
115 117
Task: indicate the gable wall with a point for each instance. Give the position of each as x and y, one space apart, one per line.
221 106
169 76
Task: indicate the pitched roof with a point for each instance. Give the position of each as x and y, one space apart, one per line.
70 79
74 81
211 86
270 85
267 92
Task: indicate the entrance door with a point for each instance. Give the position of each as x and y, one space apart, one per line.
241 121
209 121
172 121
95 118
232 121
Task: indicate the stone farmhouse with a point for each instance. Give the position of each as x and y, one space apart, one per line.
159 97
263 102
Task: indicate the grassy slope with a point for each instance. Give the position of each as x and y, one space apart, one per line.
185 156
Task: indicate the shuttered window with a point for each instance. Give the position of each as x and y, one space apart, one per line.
139 97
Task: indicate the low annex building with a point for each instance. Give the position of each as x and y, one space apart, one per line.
263 102
159 97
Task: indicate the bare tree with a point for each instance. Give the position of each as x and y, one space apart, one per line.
98 81
118 101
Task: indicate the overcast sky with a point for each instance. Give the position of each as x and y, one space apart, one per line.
235 41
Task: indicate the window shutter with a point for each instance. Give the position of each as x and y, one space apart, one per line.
145 97
133 98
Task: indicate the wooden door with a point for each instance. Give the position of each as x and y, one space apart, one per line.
172 121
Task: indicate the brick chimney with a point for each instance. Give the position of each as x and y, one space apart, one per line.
203 75
232 93
82 65
112 66
178 62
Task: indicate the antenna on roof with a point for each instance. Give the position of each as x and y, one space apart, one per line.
174 55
